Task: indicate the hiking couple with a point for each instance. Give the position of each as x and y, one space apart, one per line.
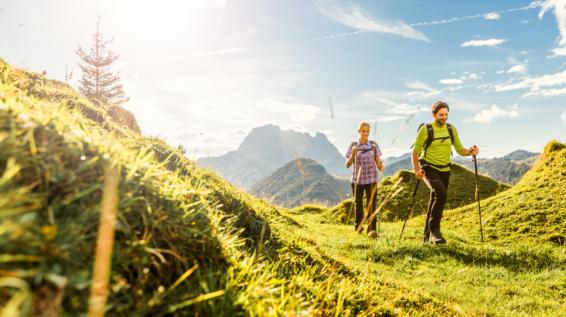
434 141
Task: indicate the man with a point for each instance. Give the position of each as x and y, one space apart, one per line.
435 141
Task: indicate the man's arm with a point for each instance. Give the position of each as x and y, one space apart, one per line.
419 172
474 150
417 148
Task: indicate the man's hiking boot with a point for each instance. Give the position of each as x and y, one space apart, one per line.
372 234
436 237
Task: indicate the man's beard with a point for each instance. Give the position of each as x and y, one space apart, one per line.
440 122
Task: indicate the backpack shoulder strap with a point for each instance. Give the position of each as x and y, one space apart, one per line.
351 146
450 131
374 147
430 135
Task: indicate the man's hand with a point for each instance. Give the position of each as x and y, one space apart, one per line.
420 174
474 150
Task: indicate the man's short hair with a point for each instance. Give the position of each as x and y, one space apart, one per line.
439 105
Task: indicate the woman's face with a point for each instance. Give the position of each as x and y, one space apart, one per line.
364 132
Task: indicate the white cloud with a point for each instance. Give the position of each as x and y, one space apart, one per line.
294 114
534 84
422 90
454 88
390 118
517 69
547 92
487 115
564 117
216 94
499 72
474 76
393 107
492 16
559 8
468 76
488 42
559 51
180 57
451 81
359 19
486 16
333 36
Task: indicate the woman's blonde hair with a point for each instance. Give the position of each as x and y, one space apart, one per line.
362 124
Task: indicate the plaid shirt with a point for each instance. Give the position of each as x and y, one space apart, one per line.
364 163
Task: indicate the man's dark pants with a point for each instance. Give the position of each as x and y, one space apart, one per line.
439 183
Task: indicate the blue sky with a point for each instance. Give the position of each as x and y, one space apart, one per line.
208 71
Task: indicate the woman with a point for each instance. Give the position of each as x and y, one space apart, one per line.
364 155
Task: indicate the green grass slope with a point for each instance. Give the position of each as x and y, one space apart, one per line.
187 242
461 191
534 209
465 277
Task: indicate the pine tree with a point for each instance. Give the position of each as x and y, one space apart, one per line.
98 83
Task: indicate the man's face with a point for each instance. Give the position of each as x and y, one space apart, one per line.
441 116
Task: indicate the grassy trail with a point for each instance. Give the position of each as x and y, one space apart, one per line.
468 277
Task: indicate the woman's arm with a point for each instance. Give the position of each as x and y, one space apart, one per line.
379 164
350 160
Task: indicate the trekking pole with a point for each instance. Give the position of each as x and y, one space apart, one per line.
367 211
478 195
355 189
410 207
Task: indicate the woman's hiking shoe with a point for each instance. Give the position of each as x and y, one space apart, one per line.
372 234
426 237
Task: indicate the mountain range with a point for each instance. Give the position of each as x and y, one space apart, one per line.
508 169
267 148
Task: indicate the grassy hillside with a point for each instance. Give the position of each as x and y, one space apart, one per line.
534 209
461 191
464 277
302 181
187 242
